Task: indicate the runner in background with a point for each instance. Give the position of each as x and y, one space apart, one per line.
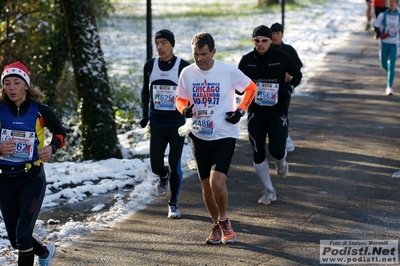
368 13
277 43
160 77
387 28
379 6
267 114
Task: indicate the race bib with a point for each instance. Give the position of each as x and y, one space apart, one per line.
164 97
267 94
203 122
24 145
393 31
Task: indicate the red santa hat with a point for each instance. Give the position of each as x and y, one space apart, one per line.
16 69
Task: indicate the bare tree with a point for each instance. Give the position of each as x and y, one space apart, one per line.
267 2
99 134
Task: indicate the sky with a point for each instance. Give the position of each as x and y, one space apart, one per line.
120 187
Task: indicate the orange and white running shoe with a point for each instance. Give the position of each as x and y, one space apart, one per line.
215 235
228 235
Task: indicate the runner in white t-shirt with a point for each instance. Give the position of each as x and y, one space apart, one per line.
206 93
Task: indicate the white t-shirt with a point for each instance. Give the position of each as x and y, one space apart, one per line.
213 94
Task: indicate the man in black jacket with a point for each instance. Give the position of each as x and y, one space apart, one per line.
267 114
277 43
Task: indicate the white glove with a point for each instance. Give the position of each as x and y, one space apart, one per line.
185 129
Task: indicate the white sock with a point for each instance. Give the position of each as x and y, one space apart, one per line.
262 171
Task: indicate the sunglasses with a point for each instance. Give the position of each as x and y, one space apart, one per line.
261 40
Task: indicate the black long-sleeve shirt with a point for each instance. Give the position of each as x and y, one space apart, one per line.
272 67
291 51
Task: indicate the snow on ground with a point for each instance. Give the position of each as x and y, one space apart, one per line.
312 31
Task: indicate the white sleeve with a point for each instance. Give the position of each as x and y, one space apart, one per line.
378 21
239 80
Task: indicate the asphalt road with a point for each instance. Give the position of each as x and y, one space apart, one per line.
340 185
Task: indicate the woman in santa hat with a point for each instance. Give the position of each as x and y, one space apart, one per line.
22 155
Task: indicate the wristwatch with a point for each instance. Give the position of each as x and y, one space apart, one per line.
241 112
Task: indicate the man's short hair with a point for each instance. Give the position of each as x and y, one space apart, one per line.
202 39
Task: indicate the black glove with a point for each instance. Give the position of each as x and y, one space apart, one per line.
285 92
290 88
239 93
143 122
233 117
378 32
187 111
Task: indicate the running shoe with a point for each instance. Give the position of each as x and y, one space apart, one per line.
163 184
267 197
368 27
289 144
215 235
173 212
228 235
46 262
282 168
389 91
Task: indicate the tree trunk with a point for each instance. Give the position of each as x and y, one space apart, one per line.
91 82
267 2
